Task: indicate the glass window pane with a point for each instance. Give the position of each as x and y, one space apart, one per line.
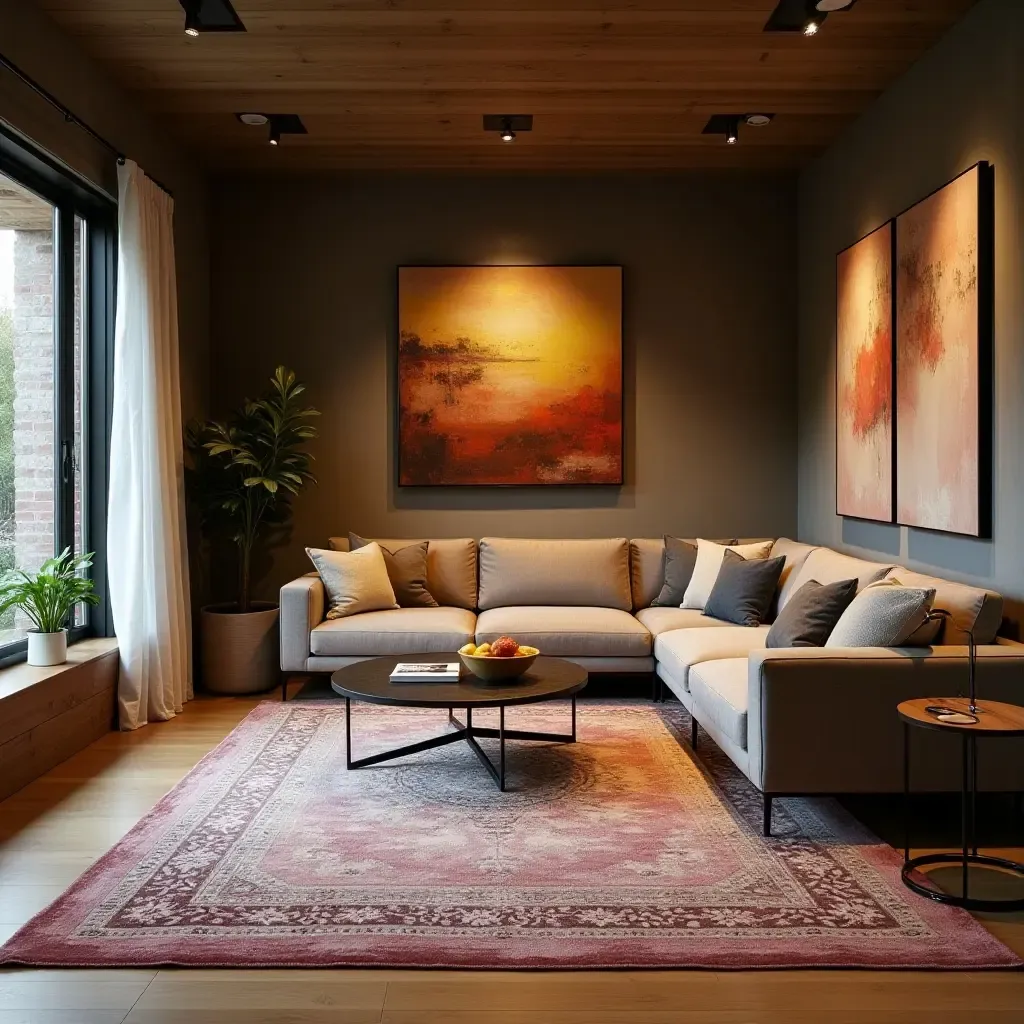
26 385
79 451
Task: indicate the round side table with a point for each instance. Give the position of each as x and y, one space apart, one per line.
996 720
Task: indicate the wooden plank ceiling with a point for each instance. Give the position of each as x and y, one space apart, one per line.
402 84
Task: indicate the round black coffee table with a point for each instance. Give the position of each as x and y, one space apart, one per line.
369 681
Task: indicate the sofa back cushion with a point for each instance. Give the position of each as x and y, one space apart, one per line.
516 571
795 554
970 608
647 567
451 567
827 566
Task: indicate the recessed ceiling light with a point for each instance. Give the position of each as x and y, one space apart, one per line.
253 119
758 120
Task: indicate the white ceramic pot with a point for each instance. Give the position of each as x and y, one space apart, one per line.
240 652
47 648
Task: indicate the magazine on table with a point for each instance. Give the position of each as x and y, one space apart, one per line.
425 672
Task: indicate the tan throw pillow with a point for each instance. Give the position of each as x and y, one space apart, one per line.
355 581
708 564
407 570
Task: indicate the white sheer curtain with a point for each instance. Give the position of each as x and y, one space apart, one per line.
146 541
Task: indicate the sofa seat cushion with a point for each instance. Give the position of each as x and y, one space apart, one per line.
719 691
400 631
661 620
679 650
567 631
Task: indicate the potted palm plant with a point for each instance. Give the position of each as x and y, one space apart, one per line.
243 476
48 597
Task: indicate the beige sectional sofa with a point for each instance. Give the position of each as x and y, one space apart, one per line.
795 721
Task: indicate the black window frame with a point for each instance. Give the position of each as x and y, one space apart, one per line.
72 196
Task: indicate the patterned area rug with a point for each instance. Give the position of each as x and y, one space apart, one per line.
619 851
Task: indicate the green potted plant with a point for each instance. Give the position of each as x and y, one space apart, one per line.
48 597
243 476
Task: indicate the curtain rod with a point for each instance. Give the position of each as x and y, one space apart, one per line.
70 116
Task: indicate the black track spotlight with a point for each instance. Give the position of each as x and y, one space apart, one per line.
806 16
813 24
508 126
732 131
192 18
275 135
210 16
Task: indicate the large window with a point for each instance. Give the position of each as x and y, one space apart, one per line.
56 318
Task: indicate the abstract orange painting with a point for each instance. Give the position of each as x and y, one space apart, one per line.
509 375
943 343
864 427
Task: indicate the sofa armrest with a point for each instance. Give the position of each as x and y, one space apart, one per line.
823 720
302 609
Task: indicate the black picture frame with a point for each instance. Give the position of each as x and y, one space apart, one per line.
985 341
891 224
483 486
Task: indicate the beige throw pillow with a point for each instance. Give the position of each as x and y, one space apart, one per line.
355 581
708 564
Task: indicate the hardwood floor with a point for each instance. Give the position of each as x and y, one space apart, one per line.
58 825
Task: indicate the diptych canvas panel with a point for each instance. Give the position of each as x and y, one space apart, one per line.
864 406
942 374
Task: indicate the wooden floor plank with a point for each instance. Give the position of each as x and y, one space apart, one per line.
36 1016
69 994
264 991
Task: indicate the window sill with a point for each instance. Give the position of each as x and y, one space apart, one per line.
22 676
48 714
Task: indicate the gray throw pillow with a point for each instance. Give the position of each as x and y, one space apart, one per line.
407 570
680 558
811 614
744 589
883 614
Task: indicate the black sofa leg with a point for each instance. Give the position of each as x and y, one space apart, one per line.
767 814
694 732
284 685
655 688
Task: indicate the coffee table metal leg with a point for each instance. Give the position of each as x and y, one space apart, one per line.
574 718
348 732
501 748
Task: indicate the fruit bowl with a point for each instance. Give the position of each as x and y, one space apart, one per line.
494 662
492 670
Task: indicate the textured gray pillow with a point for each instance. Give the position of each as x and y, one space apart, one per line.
680 558
811 614
407 570
883 614
744 589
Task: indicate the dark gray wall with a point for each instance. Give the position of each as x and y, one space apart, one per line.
962 102
304 273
